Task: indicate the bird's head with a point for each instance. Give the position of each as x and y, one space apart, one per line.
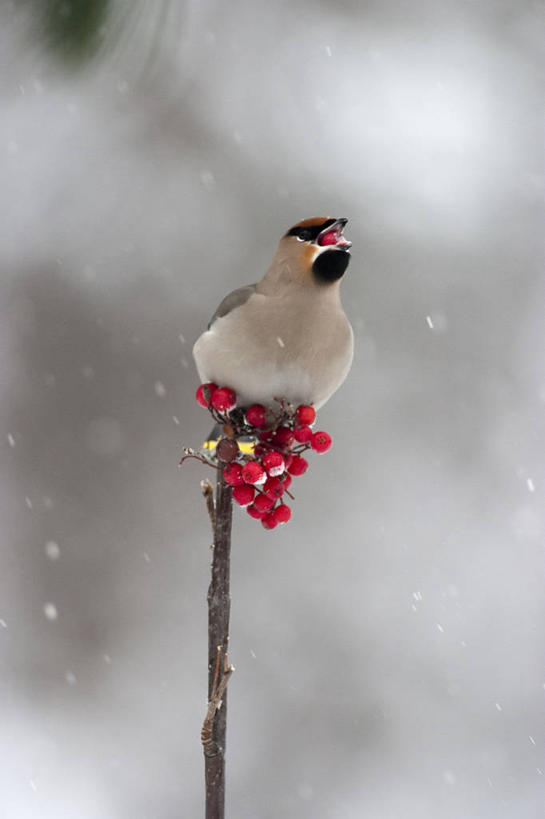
316 249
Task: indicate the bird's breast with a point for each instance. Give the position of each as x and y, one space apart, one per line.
278 348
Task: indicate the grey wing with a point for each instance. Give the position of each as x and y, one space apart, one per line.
232 300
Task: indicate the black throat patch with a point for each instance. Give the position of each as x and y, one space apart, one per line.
330 265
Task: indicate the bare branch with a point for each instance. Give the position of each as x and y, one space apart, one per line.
208 494
210 746
214 727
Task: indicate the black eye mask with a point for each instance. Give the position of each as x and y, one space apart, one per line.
309 234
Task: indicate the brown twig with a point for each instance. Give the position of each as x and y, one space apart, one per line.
208 493
198 456
209 745
219 604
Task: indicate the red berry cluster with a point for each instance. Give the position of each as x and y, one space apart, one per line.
260 480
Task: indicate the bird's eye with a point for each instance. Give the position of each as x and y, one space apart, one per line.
304 236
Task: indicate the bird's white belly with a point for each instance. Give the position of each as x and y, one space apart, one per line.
254 377
305 365
284 381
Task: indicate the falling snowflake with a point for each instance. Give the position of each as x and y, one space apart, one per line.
52 550
50 611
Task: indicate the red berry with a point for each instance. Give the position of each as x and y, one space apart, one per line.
283 437
204 389
299 466
254 512
266 436
260 450
282 513
223 399
269 521
288 459
285 480
233 474
244 494
263 503
305 414
274 487
273 463
303 434
256 415
320 441
253 472
329 238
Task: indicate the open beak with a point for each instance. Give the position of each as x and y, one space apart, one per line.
333 236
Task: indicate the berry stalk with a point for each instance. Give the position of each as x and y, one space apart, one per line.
219 604
256 475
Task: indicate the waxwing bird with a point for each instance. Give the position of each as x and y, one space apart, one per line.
287 336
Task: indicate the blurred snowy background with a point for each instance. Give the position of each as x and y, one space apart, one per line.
389 641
